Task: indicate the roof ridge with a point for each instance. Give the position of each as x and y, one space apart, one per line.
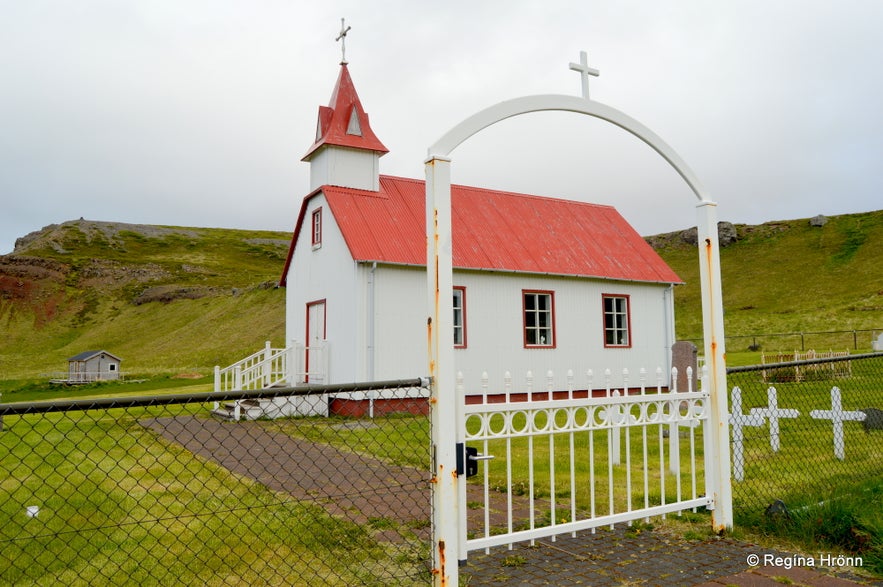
503 192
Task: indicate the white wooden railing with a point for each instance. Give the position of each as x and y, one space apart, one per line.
269 367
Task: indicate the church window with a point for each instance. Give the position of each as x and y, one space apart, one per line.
317 228
617 325
354 127
459 317
539 318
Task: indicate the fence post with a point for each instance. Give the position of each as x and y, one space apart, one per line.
268 367
714 340
217 383
448 428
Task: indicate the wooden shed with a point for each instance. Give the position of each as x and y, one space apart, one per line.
91 366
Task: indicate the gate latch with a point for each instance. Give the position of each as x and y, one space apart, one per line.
467 460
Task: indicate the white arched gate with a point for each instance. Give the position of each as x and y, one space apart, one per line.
447 406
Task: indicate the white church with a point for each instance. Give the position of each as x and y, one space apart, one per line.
540 284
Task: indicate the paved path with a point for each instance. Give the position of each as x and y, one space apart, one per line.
655 557
620 557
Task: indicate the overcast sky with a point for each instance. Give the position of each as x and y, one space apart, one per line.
197 112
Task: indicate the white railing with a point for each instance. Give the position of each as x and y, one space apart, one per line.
596 458
260 370
85 376
263 369
310 363
270 366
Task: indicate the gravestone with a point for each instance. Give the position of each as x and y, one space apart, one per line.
877 345
873 419
684 354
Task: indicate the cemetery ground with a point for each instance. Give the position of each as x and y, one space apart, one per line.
215 495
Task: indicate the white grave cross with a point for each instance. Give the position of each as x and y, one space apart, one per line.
584 71
738 421
838 417
773 413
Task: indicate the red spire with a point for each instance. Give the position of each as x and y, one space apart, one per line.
343 122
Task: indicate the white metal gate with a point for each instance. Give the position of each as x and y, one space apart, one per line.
544 468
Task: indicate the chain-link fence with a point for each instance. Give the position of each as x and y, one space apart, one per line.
805 433
158 491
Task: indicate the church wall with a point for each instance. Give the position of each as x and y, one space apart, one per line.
495 335
325 273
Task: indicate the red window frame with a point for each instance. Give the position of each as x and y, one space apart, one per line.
462 343
613 328
317 227
526 327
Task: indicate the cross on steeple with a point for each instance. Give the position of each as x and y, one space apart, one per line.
342 38
584 71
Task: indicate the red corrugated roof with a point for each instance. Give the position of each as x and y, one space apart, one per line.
492 230
344 122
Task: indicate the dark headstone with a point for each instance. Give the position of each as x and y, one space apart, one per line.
684 354
777 511
873 419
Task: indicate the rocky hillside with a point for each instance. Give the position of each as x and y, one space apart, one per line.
86 284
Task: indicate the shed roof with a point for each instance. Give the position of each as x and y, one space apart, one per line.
492 230
86 355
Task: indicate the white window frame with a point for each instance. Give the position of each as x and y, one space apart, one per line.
316 228
459 317
617 320
533 318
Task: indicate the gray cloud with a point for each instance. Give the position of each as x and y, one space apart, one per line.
197 113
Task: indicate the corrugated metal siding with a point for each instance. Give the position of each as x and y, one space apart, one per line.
494 322
495 230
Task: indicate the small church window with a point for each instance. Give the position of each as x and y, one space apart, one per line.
459 317
354 127
317 228
539 319
617 332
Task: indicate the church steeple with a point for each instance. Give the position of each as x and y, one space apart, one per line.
346 151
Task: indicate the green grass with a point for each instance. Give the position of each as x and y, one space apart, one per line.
12 391
120 506
843 523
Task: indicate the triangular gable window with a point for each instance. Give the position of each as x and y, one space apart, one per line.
319 131
354 128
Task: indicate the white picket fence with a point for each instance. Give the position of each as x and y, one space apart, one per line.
595 433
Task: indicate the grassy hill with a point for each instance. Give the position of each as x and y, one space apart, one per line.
165 299
789 276
172 300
